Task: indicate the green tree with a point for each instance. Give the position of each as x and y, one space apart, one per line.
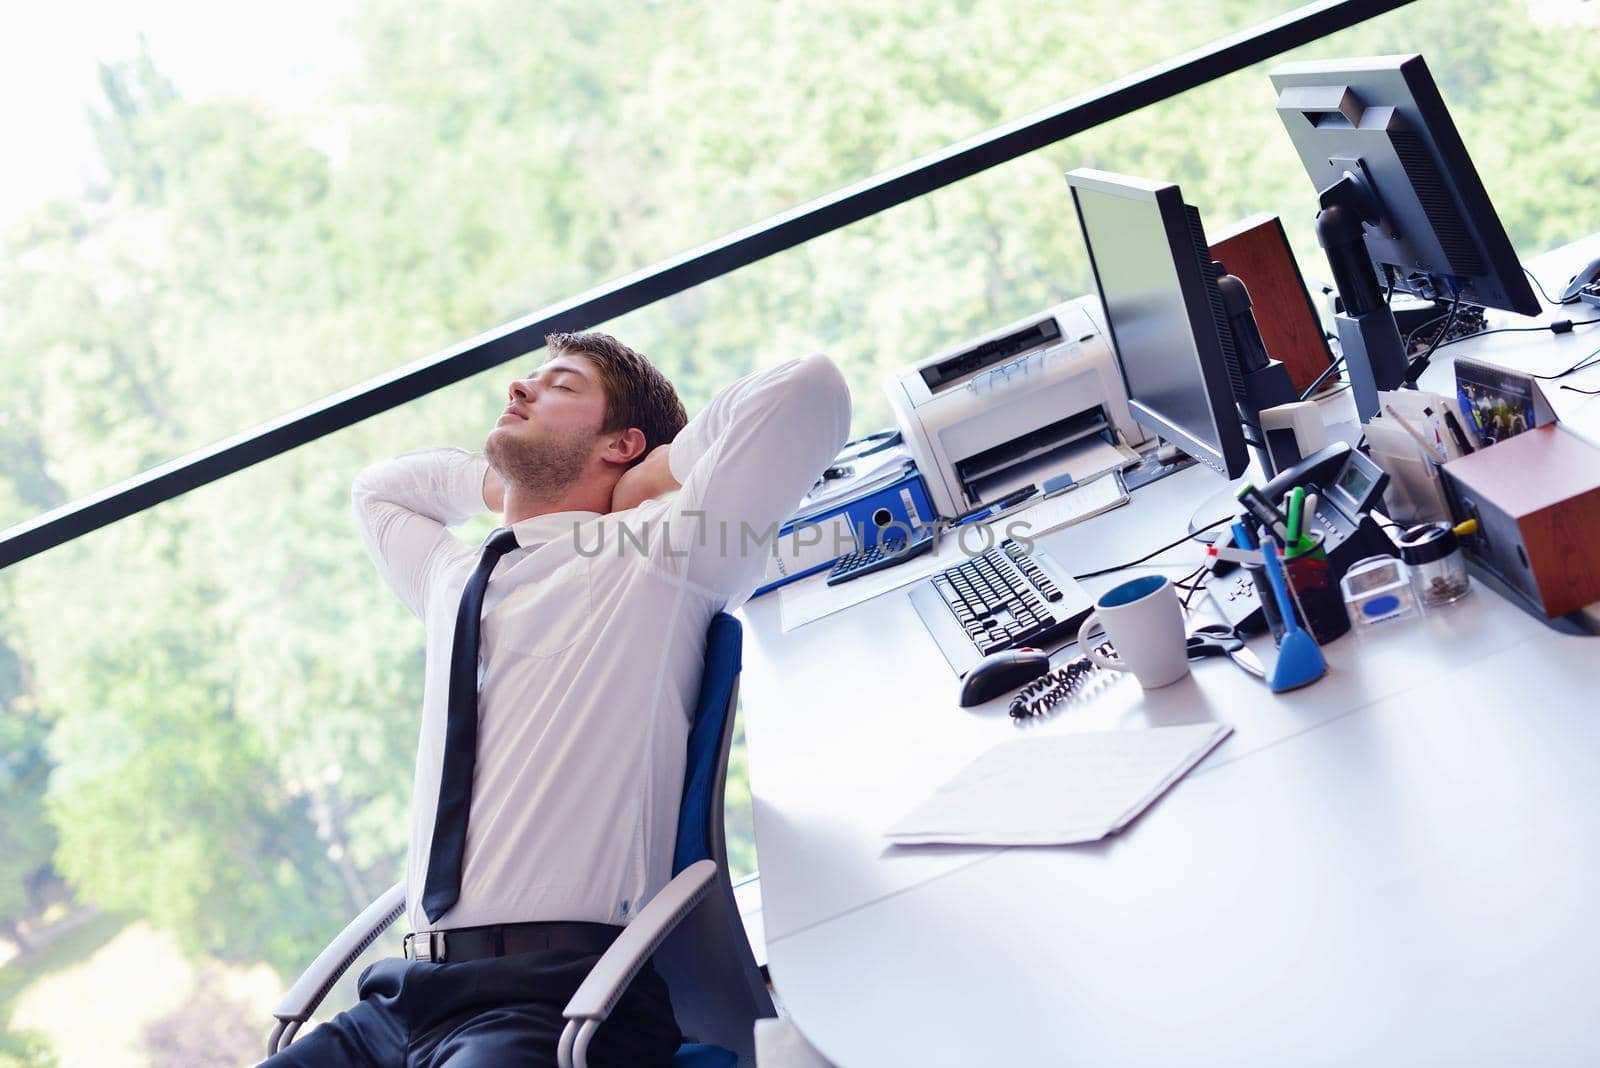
27 840
165 800
25 1050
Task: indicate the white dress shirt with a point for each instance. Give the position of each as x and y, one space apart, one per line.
591 646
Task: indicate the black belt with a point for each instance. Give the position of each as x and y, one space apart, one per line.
498 940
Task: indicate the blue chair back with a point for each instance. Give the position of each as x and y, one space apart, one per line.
700 835
717 989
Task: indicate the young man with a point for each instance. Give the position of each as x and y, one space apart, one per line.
541 823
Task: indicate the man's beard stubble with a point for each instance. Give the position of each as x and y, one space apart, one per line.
545 469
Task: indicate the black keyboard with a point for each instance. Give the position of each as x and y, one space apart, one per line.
890 551
1590 294
1002 599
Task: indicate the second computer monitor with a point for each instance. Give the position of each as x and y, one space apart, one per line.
1152 266
1381 123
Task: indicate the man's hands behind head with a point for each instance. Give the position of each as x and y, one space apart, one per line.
650 477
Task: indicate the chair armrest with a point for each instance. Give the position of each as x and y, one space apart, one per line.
598 994
612 973
315 982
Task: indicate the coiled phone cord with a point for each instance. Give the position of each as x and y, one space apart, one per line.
1050 689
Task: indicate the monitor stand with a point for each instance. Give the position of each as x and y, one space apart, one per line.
1374 355
1265 382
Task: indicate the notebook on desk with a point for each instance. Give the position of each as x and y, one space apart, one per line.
1060 789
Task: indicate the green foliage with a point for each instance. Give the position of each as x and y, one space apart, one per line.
134 155
27 840
165 798
64 946
25 1050
737 817
229 693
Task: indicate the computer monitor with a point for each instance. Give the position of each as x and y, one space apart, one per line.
1400 201
1165 314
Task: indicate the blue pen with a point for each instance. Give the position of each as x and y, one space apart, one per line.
1242 538
999 506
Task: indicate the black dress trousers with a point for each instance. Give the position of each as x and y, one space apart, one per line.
485 1014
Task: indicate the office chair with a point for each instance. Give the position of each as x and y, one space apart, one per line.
691 928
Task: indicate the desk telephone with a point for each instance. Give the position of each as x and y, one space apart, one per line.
1348 485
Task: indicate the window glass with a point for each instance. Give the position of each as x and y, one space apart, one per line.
227 216
208 711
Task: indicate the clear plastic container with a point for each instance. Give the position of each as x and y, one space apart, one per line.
1438 566
1377 590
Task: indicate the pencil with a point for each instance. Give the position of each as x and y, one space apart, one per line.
1427 450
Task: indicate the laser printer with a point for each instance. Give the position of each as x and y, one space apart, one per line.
1036 399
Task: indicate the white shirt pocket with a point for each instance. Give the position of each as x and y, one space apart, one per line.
545 614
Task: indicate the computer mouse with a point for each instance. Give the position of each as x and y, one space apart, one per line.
1001 672
1591 273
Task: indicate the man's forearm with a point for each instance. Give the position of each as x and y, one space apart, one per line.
442 484
748 460
402 507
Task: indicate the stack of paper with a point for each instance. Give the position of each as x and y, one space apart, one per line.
1058 789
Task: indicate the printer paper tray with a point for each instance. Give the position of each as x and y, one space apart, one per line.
1082 459
1047 449
1027 446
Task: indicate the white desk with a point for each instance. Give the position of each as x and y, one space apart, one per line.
1399 864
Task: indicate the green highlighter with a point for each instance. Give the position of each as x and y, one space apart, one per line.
1296 542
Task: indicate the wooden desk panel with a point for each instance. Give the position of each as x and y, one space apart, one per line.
1257 252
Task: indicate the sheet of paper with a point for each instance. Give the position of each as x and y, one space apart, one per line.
869 471
1093 456
1057 789
1085 501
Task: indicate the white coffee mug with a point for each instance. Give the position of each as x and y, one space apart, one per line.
1144 621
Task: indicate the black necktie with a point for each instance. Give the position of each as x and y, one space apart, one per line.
443 884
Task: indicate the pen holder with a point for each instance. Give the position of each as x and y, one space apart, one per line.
1318 599
1269 603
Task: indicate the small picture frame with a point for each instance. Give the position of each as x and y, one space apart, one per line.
1500 402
